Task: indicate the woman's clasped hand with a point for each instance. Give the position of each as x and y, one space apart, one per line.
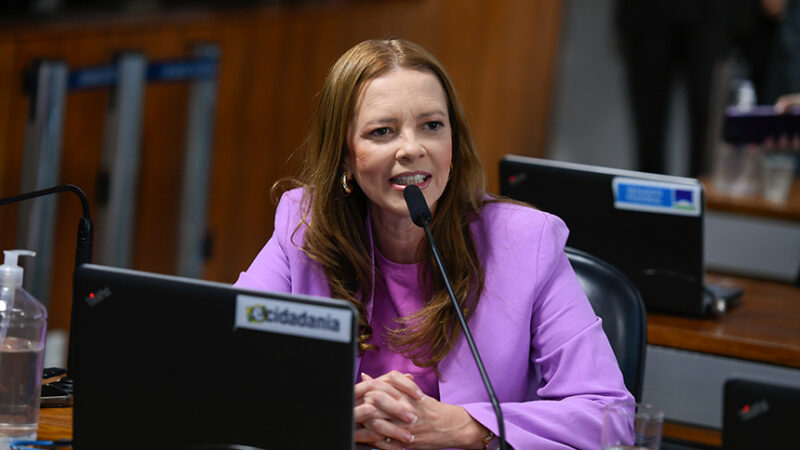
392 413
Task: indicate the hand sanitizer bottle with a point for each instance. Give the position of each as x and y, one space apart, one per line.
23 322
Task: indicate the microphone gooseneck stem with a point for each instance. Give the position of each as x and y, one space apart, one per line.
52 190
501 430
83 250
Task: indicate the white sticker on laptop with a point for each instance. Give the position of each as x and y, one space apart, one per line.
656 197
298 319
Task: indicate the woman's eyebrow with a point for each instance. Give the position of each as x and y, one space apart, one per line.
381 121
436 112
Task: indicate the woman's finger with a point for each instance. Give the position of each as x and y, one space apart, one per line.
367 411
367 436
404 383
364 386
388 384
388 445
396 434
386 404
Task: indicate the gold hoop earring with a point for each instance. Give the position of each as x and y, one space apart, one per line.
347 189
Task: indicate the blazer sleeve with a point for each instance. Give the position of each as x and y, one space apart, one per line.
576 372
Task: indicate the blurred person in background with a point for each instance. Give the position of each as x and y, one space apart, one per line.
659 40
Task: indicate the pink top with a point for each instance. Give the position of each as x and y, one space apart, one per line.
397 294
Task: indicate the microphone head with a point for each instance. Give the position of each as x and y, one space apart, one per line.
417 207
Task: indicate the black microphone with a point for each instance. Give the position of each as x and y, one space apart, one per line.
421 216
83 250
420 213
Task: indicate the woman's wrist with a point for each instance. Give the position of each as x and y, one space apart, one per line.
472 434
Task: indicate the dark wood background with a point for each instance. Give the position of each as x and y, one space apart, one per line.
500 54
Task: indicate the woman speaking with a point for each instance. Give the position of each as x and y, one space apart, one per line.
388 117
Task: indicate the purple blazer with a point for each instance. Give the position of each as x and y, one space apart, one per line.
544 349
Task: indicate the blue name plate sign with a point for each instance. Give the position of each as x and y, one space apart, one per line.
656 197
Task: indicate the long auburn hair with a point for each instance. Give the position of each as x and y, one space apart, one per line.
336 235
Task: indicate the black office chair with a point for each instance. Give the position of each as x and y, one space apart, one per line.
616 300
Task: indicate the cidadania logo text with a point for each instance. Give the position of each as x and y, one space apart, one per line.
264 314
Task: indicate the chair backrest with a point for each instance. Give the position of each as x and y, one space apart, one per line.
616 300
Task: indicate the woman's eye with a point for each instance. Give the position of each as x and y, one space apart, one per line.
383 131
435 125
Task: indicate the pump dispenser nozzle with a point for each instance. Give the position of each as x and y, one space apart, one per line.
10 271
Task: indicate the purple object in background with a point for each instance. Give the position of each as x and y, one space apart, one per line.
754 125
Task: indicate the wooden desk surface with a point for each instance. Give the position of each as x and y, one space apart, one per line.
753 205
764 327
55 423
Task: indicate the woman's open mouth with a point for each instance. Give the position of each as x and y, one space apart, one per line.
406 180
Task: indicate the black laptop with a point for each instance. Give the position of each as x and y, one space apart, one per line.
169 363
649 226
759 414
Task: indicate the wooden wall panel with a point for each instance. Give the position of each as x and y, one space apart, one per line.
7 91
500 55
514 96
11 107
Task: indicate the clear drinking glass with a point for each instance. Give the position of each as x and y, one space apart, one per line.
777 176
628 426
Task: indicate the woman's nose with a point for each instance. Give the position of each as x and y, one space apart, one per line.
410 147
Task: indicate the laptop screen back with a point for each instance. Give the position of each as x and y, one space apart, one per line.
649 226
759 414
166 362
